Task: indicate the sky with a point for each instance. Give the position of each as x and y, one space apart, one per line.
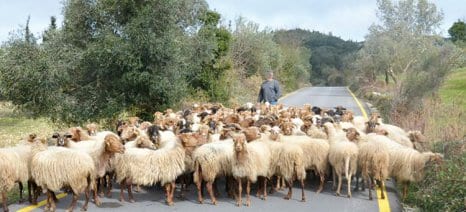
348 19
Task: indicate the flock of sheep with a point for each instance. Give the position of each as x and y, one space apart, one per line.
264 145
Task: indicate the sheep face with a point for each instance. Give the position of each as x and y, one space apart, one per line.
31 137
287 128
92 129
133 121
239 141
129 133
144 142
352 134
62 139
113 144
252 133
120 126
371 126
154 134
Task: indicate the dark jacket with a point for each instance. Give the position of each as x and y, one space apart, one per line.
269 92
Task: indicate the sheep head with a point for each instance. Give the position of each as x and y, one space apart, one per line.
92 129
251 133
381 132
287 128
113 144
154 134
144 142
371 125
129 133
416 136
62 139
239 141
31 137
119 126
144 125
352 134
347 116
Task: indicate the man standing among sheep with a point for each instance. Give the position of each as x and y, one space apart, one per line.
270 90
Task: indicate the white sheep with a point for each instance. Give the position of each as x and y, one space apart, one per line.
101 151
343 156
250 161
148 167
212 160
286 162
373 158
406 164
14 167
55 167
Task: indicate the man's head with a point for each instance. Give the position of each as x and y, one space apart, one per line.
270 75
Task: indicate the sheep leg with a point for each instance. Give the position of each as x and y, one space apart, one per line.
248 191
369 183
20 184
348 180
96 197
211 192
50 195
334 179
122 187
73 203
87 194
172 192
282 184
240 191
405 190
264 189
36 192
277 186
382 185
289 184
303 195
110 186
339 185
259 187
4 201
168 188
322 181
129 186
199 191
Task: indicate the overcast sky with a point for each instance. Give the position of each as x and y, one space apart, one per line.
348 19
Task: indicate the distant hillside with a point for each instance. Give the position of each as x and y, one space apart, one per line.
328 53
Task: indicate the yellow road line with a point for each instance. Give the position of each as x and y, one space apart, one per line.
40 204
384 205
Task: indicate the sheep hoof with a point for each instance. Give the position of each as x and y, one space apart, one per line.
286 197
84 209
214 202
132 201
264 198
337 194
98 203
248 204
170 203
238 204
303 200
349 195
370 198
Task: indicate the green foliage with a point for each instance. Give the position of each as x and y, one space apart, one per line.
443 188
458 31
328 54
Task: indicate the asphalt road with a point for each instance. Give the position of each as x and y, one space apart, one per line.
152 198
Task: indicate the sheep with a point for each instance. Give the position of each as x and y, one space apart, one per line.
212 160
343 156
14 167
315 154
55 167
406 164
250 161
148 167
101 151
92 129
393 132
286 162
373 158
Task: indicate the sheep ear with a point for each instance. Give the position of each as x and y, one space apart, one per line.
68 136
345 130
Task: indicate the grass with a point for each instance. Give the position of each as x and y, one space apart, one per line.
453 91
14 126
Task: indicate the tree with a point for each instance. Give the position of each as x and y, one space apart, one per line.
458 31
